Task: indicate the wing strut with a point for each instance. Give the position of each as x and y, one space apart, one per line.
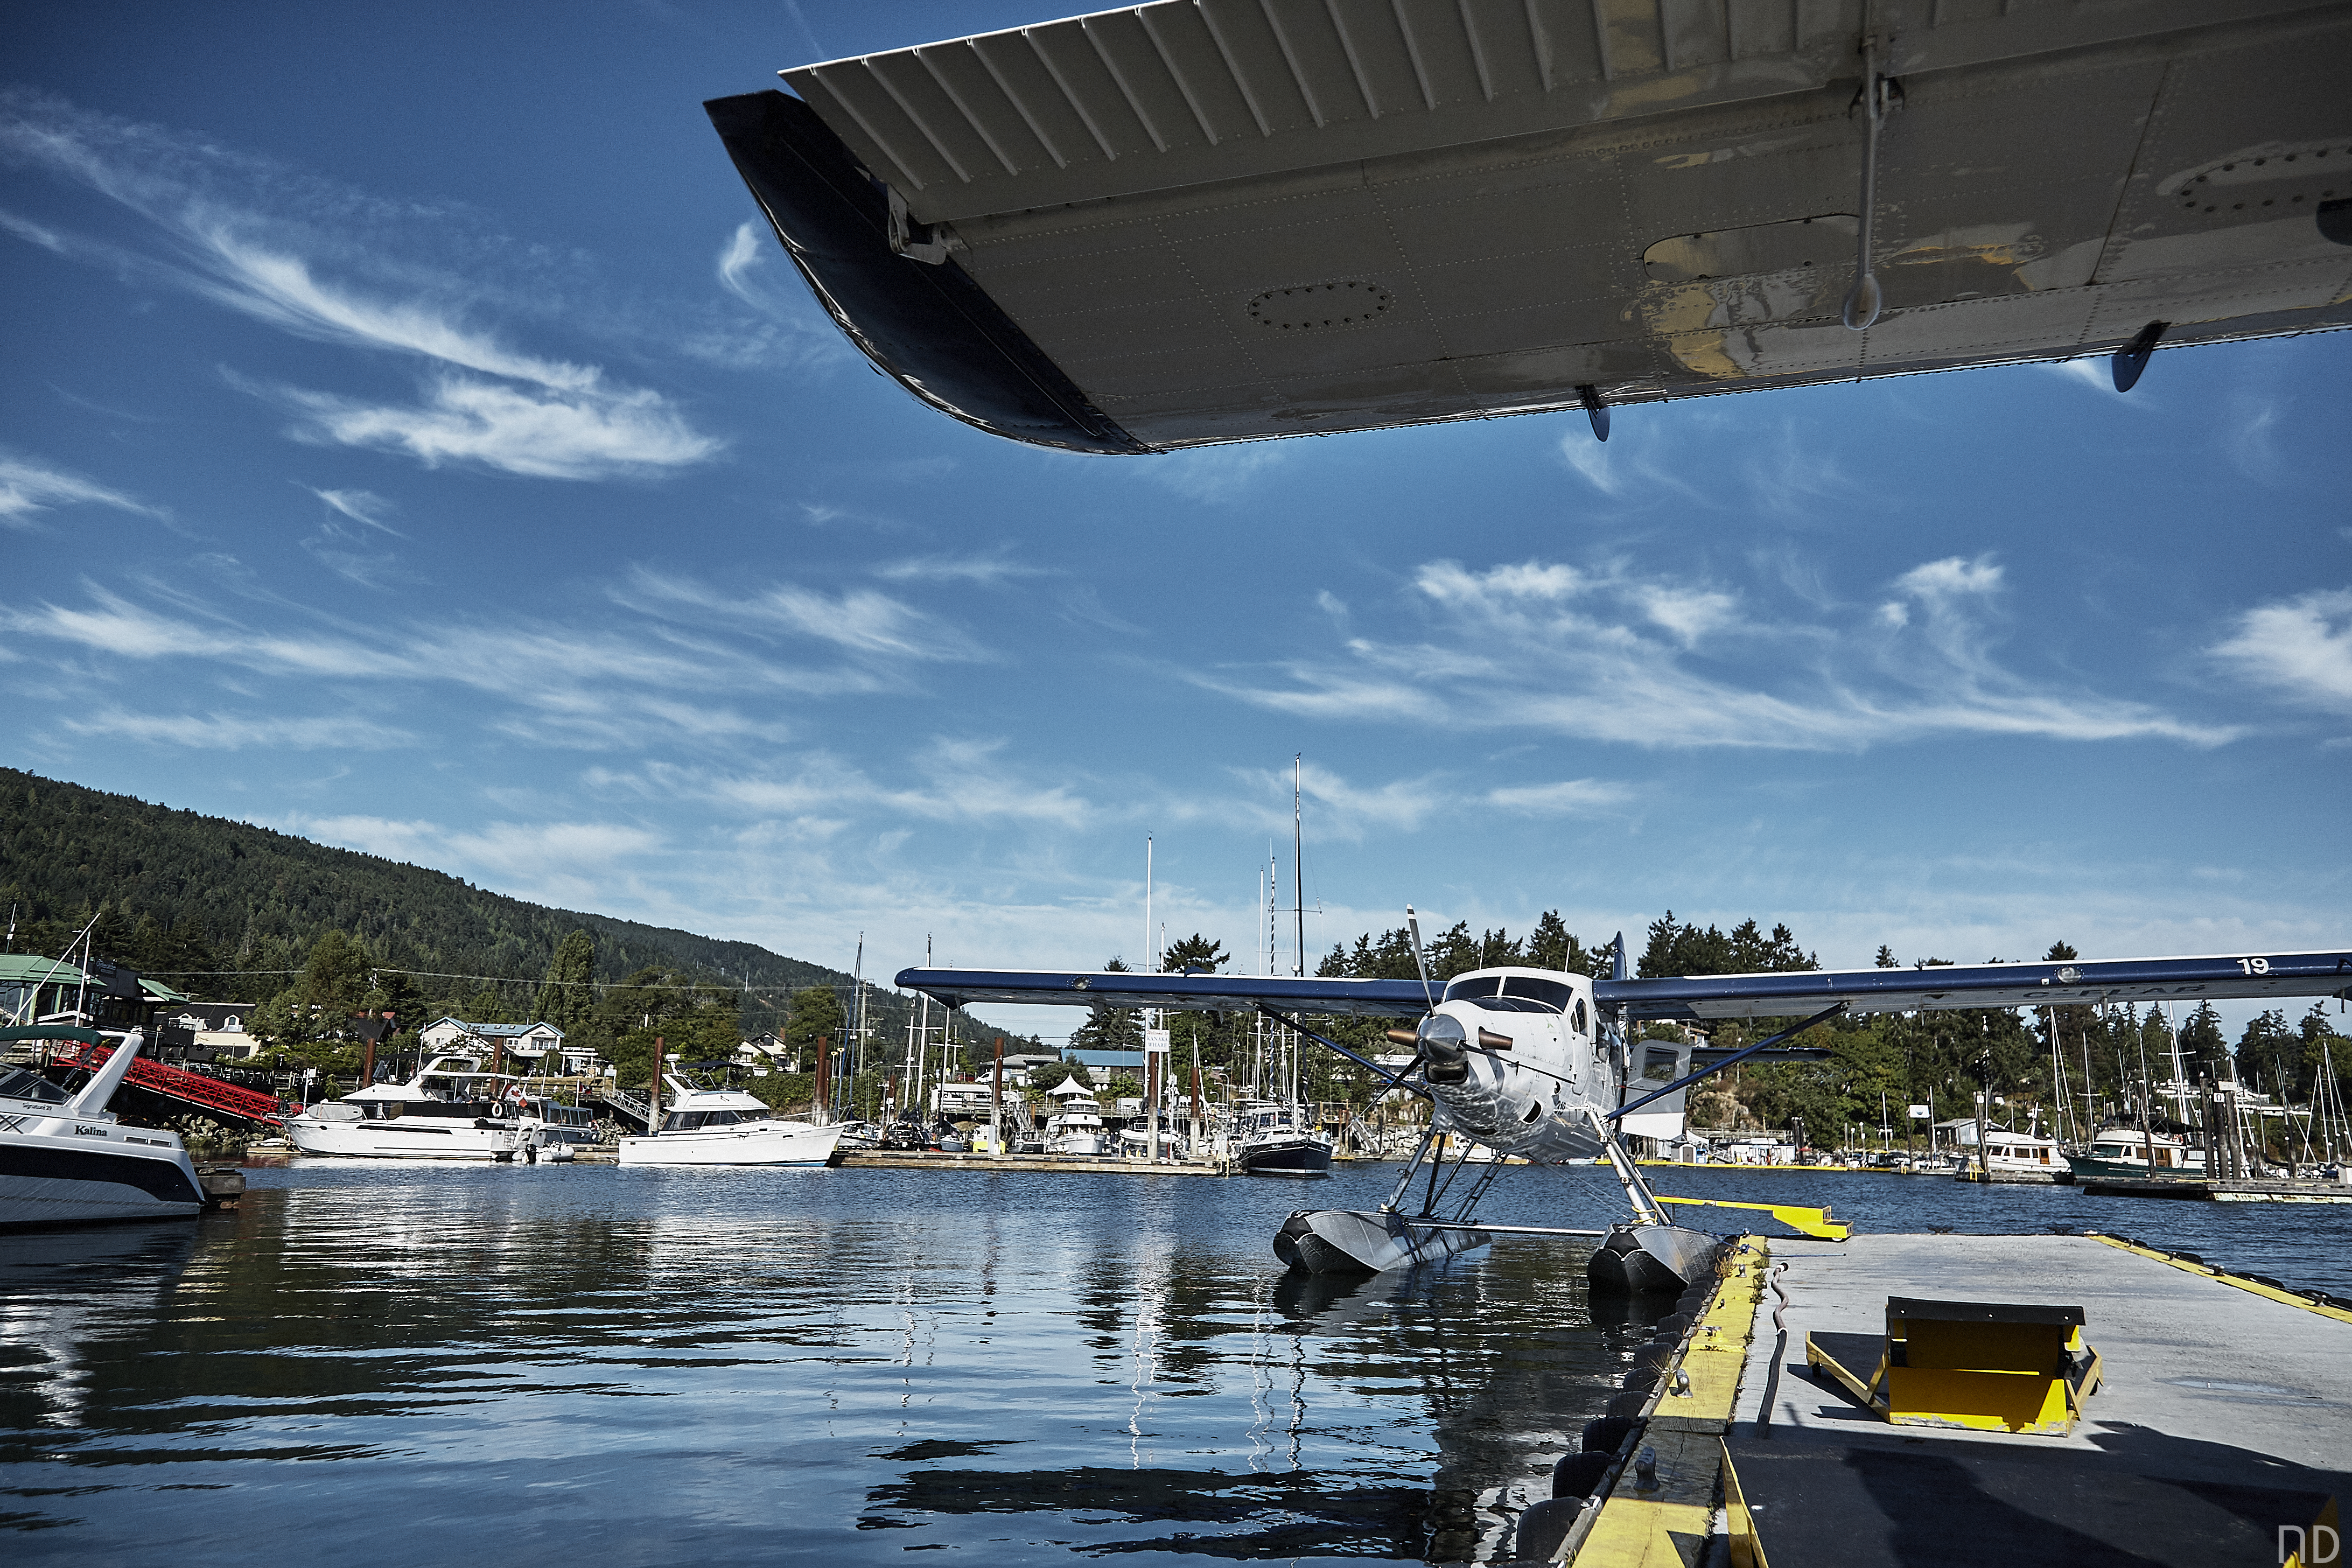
1393 1080
1733 1059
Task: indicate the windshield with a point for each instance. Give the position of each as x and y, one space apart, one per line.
1512 992
25 1084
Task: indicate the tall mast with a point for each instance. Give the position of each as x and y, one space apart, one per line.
1297 865
857 1004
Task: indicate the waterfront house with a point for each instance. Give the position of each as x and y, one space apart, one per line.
530 1045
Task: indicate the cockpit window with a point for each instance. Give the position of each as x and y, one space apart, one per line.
1559 994
1580 1020
1475 986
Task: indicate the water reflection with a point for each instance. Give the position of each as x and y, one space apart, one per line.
729 1367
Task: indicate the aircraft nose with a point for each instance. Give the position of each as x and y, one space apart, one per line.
1447 1046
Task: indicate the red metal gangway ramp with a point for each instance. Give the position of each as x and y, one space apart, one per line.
177 1083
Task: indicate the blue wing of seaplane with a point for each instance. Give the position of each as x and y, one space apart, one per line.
1539 1065
1199 221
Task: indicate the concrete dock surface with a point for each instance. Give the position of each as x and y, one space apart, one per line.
2222 1415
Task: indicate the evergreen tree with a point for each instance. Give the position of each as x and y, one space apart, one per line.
817 1016
568 998
1109 1029
2203 1049
2271 1054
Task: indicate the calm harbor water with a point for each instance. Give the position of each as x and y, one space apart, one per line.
390 1363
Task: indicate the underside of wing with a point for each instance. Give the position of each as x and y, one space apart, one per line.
2091 981
1177 993
1198 221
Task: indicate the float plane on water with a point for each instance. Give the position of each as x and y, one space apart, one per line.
1543 1065
1200 221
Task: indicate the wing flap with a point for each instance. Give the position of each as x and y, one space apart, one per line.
2078 983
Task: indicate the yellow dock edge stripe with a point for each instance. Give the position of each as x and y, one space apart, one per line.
1813 1221
2207 1271
1635 1529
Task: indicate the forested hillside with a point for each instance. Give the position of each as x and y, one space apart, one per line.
229 912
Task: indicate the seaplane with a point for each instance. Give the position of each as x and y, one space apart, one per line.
1543 1066
1200 221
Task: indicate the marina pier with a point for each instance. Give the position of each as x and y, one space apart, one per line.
2214 1425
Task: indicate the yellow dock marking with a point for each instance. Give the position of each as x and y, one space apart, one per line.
2225 1277
1813 1222
1667 1525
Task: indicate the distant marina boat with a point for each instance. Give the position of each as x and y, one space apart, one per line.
450 1111
2009 1156
708 1123
2130 1151
1076 1125
66 1160
1276 1141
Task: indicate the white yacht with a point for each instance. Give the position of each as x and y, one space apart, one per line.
704 1123
450 1111
1076 1125
64 1158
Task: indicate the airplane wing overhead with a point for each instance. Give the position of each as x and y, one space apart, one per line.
1180 993
1196 221
2086 981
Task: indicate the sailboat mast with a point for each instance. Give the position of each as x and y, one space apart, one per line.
858 983
1298 864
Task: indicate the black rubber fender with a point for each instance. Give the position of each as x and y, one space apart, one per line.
1580 1475
1543 1527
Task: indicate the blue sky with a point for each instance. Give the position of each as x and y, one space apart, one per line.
412 440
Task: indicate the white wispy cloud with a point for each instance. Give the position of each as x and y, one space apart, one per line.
787 328
859 620
220 731
1215 474
1604 654
1640 463
256 238
984 571
362 506
950 780
29 488
544 434
565 862
609 686
1569 797
350 541
2301 647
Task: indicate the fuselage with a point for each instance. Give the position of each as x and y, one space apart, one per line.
1536 1096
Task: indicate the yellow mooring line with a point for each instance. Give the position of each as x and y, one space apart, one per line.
1815 1223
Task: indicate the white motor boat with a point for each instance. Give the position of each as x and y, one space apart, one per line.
708 1123
66 1160
1076 1125
2136 1152
450 1111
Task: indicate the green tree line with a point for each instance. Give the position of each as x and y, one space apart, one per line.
185 898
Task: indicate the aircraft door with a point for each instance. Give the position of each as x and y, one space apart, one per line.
1657 1064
